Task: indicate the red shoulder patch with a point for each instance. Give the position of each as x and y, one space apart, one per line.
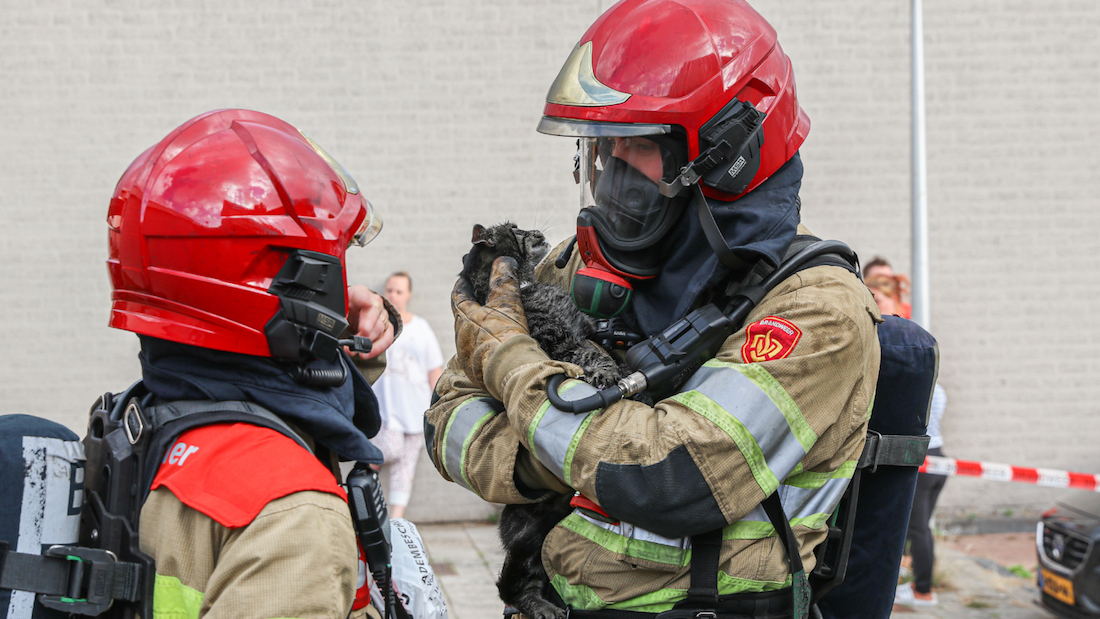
231 471
769 339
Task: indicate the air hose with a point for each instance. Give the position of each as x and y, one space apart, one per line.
664 362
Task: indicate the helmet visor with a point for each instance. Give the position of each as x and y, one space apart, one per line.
371 226
618 179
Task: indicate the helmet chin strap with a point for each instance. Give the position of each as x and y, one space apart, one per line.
714 235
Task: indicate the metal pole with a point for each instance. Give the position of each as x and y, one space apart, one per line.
920 298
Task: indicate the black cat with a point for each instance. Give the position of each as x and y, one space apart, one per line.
562 331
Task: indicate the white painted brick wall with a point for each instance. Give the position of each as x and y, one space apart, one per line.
432 106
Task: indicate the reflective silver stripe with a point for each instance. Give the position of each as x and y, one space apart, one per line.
749 404
804 502
553 430
808 502
759 515
625 529
467 418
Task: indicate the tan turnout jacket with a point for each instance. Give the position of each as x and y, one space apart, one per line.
783 406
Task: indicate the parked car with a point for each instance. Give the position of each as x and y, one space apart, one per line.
1067 540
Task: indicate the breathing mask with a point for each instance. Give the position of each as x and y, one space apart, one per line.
624 215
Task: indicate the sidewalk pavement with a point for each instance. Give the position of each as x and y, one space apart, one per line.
972 571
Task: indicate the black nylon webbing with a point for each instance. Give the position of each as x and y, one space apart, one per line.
706 551
51 576
35 573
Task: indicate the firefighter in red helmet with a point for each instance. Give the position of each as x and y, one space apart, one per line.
227 245
688 128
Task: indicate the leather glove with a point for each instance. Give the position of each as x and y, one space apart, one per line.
481 329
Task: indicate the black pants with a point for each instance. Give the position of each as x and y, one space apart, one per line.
919 534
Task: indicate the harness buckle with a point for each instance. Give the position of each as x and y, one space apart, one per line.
132 422
91 580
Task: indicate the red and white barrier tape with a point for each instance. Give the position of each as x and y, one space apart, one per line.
937 465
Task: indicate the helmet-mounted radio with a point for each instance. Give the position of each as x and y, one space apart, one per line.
733 139
310 322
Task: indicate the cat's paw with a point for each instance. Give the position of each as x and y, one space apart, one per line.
541 609
602 378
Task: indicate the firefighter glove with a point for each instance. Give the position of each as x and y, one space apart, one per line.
481 329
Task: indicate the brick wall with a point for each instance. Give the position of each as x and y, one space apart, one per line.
432 106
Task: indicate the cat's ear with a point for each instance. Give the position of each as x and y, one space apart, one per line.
480 238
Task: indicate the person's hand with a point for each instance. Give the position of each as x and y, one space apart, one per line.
480 329
367 317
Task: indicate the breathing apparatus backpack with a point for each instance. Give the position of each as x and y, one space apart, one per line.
69 510
857 564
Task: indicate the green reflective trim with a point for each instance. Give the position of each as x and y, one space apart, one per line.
466 444
748 529
174 600
808 480
812 481
618 544
72 601
815 521
465 441
737 431
567 467
846 470
762 530
763 379
450 422
731 584
582 597
535 423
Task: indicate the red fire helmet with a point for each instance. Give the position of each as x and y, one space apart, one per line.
646 67
230 234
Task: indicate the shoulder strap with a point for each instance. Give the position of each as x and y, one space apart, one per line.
749 285
170 420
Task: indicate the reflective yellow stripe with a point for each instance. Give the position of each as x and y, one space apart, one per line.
174 600
568 467
808 479
748 529
583 597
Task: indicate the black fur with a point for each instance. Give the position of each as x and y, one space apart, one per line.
562 331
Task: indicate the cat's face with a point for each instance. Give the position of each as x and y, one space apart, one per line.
527 247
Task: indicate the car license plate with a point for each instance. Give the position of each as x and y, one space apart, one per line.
1058 587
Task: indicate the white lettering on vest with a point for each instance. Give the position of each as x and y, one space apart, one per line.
179 453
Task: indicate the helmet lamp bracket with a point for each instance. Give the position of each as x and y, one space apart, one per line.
311 320
734 138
